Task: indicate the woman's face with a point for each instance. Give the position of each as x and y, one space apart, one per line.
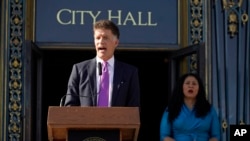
190 87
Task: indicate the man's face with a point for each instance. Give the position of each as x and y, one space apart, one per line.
105 43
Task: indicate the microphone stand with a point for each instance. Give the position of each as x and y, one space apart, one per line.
99 72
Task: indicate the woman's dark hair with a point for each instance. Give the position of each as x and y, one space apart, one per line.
107 24
176 101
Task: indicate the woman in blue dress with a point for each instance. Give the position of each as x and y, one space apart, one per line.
189 116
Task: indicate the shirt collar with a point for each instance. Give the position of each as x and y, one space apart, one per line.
110 61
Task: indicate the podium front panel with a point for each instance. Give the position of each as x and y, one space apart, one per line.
94 135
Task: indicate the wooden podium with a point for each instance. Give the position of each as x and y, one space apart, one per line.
62 119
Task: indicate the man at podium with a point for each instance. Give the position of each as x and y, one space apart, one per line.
103 80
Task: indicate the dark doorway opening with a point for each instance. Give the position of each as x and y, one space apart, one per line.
153 73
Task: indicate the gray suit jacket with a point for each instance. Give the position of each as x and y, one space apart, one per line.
82 89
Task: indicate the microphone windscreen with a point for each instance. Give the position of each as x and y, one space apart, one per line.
100 68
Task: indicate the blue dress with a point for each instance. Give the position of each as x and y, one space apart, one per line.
187 127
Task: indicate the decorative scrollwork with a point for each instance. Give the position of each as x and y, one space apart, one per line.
231 3
244 18
15 69
233 18
224 125
242 122
196 28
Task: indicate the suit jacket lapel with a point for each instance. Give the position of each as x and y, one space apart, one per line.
118 72
92 76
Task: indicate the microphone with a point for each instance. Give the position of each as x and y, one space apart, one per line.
64 96
100 68
62 99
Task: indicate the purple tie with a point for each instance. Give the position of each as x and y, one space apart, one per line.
104 86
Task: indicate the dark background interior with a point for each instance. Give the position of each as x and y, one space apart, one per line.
153 75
